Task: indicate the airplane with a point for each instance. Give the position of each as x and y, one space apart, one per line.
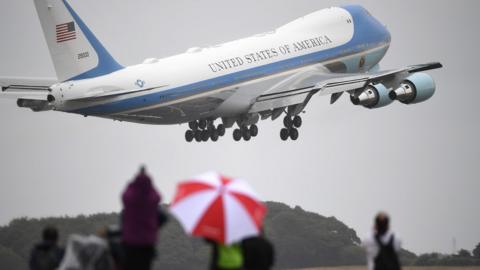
265 76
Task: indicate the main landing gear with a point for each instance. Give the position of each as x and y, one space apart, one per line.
245 132
203 130
291 127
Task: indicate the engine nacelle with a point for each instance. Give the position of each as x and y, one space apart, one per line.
373 96
416 88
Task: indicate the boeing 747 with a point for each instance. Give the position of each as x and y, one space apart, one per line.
231 85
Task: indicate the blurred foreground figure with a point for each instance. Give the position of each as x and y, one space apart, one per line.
46 255
87 253
225 257
140 222
382 246
258 253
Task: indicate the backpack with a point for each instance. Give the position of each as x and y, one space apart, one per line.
387 258
45 259
230 257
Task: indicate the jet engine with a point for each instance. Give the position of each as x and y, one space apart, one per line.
373 96
414 89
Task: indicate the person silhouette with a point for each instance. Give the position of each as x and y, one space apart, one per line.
382 246
46 255
140 222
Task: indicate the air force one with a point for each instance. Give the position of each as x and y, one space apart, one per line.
235 84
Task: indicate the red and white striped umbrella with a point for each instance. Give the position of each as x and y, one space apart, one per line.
219 208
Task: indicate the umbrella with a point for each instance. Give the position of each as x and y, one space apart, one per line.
219 208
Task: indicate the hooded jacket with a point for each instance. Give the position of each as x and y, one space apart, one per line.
140 212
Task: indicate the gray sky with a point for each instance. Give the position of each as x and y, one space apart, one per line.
420 163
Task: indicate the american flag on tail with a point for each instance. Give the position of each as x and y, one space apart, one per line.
66 32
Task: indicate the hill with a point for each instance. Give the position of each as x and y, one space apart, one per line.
301 239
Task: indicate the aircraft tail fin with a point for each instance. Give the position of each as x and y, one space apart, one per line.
76 52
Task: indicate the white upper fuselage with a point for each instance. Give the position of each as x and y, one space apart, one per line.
224 80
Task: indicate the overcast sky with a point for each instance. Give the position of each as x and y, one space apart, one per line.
420 163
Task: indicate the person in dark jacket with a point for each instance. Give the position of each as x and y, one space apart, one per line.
258 253
140 222
46 255
382 245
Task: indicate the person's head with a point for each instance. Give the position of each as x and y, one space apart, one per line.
382 223
50 235
142 181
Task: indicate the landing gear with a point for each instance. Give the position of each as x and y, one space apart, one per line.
193 125
198 135
214 136
284 134
293 134
245 133
204 130
291 128
205 135
287 121
254 130
297 121
237 134
202 124
221 130
189 135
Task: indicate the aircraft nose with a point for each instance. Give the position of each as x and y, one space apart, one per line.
388 36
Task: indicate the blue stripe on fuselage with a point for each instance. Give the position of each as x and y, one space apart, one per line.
368 34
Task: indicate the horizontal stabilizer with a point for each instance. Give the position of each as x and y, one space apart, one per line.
26 88
26 84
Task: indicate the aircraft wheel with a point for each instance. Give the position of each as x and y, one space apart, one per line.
237 134
297 121
287 121
205 135
202 124
214 136
189 135
284 134
193 125
294 134
221 130
254 130
247 136
198 135
210 125
211 130
244 131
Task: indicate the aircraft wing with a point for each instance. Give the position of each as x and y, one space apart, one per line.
26 88
300 87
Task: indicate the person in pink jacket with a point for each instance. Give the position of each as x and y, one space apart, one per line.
140 222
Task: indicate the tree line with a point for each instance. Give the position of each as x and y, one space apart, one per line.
301 239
